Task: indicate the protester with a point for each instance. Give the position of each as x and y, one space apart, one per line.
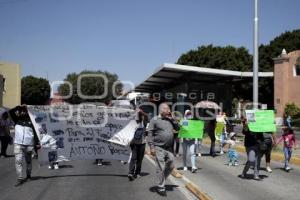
289 141
160 139
138 145
198 143
252 149
210 129
5 137
221 118
267 142
176 145
25 141
188 147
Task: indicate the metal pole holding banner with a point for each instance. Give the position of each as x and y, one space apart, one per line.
255 56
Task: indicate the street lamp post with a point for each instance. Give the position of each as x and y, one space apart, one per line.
255 56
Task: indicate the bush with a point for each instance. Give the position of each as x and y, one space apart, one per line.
293 110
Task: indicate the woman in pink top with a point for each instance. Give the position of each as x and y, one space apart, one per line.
289 141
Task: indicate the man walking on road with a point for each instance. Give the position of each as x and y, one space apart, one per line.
161 137
25 140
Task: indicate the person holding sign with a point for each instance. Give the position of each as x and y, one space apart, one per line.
252 148
160 138
262 122
25 141
190 130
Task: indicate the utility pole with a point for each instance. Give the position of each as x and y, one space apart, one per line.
255 56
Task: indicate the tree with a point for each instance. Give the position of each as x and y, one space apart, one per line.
92 86
228 58
34 91
290 41
239 59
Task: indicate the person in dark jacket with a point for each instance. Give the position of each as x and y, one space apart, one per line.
253 151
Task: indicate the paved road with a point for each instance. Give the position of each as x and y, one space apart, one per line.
82 180
222 182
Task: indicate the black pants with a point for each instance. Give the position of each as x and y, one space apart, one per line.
266 152
135 165
212 143
176 144
4 145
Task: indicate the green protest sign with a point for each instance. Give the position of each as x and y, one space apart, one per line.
261 120
219 128
191 129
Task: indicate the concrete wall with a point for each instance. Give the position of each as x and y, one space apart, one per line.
286 84
12 87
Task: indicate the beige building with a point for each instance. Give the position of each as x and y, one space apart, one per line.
286 81
11 84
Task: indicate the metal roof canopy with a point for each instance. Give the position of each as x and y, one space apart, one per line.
170 73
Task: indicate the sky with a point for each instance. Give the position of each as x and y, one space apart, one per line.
51 38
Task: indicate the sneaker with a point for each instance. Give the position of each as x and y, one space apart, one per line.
123 162
99 163
19 182
161 191
50 167
221 152
137 176
194 170
199 154
56 166
185 168
236 164
130 177
287 169
243 176
269 169
256 178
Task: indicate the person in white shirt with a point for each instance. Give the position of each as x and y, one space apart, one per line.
24 143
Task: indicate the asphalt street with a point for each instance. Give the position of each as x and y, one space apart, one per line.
222 182
80 180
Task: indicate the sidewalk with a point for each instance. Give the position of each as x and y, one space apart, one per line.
277 153
215 180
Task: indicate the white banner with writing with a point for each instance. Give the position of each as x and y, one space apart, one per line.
85 131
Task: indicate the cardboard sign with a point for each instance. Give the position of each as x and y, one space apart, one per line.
79 132
260 121
192 129
219 128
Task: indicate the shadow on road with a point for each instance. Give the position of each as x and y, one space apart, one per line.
168 188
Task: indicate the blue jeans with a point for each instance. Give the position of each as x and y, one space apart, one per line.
189 145
287 156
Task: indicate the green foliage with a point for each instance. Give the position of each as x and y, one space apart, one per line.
34 91
238 59
290 41
292 110
92 86
229 58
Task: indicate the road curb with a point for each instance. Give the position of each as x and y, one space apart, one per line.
279 157
192 187
197 192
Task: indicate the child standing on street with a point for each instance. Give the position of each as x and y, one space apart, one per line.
289 141
232 153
